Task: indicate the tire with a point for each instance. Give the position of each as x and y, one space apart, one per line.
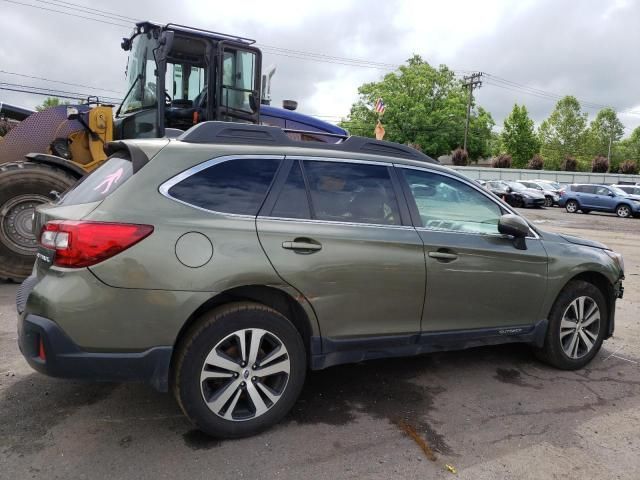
215 332
548 201
623 210
572 206
23 186
559 344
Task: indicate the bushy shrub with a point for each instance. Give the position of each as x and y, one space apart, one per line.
630 167
502 161
460 157
600 164
536 163
569 164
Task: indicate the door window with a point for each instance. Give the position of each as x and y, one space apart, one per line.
238 76
235 186
445 203
352 192
292 200
602 191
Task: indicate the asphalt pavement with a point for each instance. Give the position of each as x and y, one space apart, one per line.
489 413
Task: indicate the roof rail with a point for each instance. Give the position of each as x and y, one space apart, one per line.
185 28
248 134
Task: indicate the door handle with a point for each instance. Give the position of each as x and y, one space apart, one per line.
443 256
302 245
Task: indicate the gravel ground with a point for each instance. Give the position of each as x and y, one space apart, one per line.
491 412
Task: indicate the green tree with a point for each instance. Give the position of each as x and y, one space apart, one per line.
424 105
627 148
605 131
563 133
51 102
519 137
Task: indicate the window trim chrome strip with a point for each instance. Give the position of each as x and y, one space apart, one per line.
336 222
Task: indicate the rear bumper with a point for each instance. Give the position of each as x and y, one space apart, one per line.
50 351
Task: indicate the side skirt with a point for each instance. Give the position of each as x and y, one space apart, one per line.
327 352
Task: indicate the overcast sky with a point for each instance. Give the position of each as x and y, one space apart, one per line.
584 48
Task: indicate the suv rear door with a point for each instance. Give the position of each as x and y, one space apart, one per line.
338 232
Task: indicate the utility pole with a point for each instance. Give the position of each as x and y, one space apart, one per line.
610 140
471 82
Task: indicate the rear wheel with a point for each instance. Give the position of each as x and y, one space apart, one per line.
572 206
623 211
240 370
577 325
24 186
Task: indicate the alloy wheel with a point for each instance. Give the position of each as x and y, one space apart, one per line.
571 206
245 374
580 327
623 211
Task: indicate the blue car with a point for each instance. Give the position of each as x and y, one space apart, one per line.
602 198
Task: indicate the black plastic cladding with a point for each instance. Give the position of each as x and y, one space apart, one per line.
246 134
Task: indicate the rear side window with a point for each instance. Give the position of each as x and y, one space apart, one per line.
102 182
234 186
585 189
292 201
352 192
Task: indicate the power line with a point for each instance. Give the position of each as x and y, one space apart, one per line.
94 10
58 81
66 13
48 91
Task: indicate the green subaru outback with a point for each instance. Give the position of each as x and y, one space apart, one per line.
227 262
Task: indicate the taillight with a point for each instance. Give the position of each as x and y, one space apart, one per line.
81 244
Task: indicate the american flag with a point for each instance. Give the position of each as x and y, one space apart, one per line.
380 106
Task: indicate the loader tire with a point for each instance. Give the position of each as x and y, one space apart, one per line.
24 186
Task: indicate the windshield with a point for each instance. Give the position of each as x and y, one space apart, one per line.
141 79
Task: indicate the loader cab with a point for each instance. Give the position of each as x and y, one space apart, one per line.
178 76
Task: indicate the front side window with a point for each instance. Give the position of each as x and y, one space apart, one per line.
352 192
602 191
445 203
235 186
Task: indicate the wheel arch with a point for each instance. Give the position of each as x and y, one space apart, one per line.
269 296
67 166
602 283
619 204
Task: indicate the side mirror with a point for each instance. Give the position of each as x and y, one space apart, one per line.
611 194
509 189
516 227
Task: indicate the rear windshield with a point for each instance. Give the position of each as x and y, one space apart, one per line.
101 183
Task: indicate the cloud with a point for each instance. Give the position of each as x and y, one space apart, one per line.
583 48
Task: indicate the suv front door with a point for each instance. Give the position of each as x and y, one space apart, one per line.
338 233
476 277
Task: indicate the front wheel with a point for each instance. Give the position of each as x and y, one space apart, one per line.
240 370
623 211
571 206
577 325
548 201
